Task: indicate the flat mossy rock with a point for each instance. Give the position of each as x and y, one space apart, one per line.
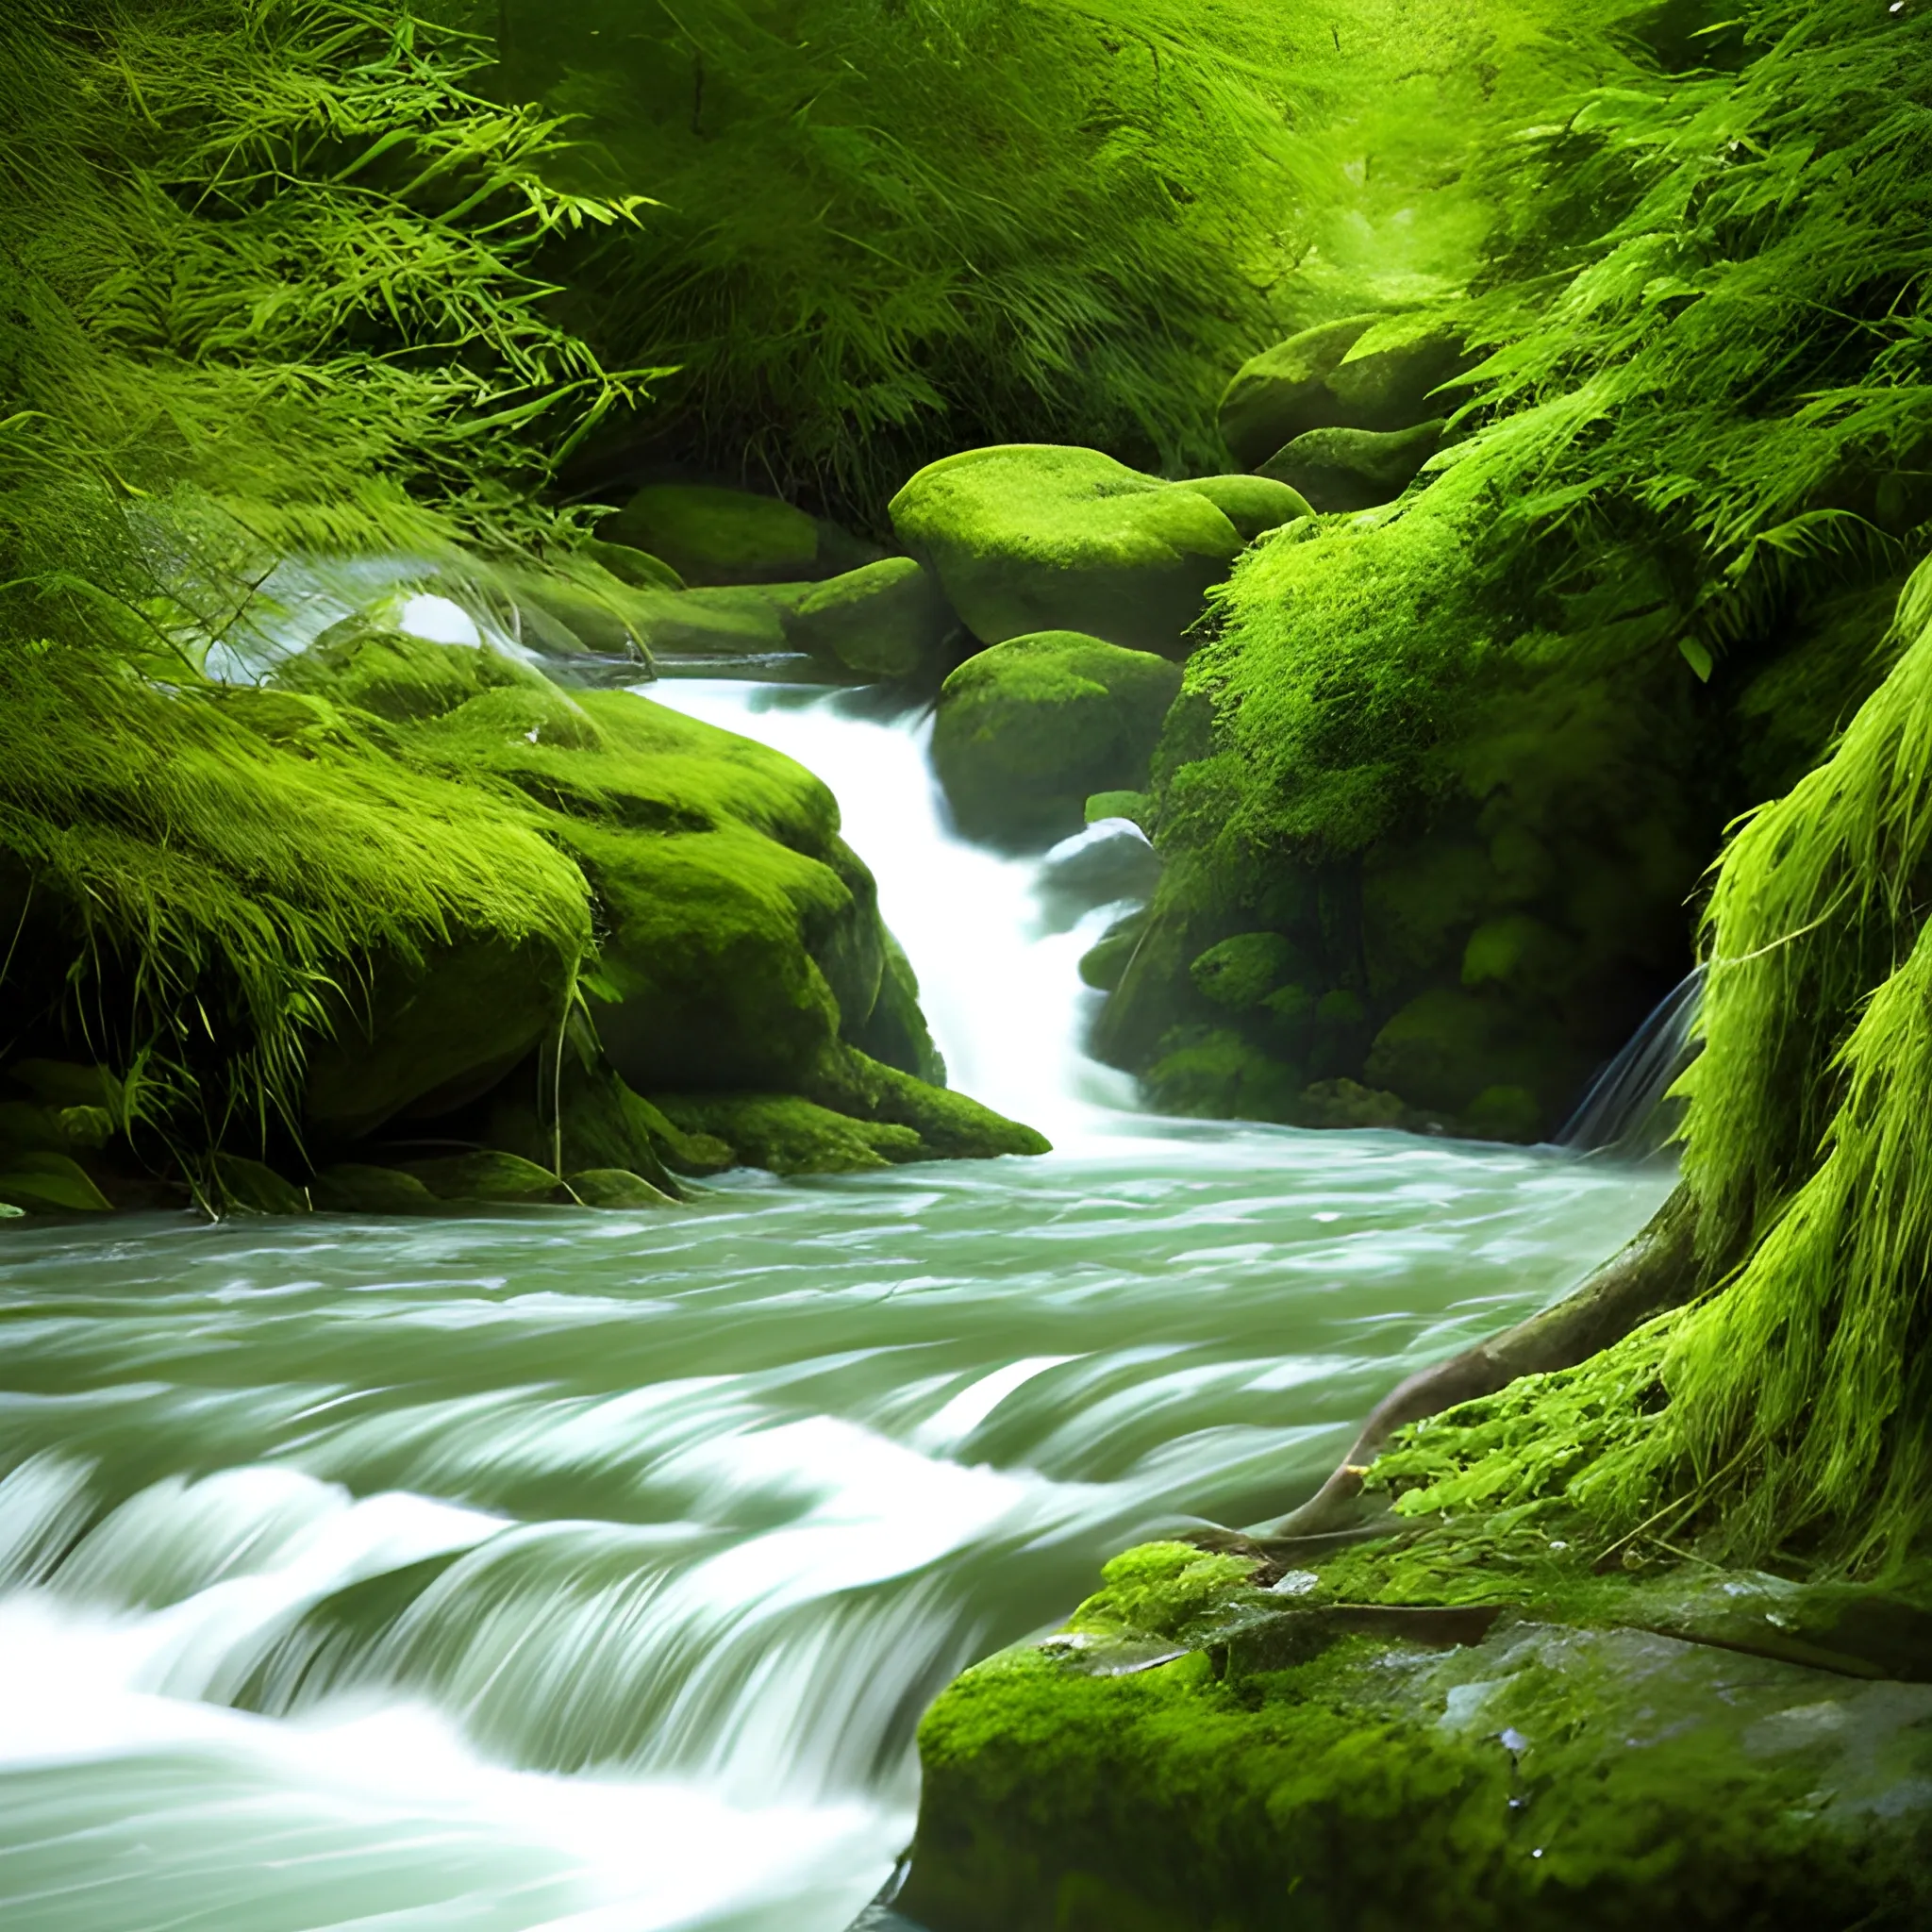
1028 730
1027 538
1340 469
1319 379
887 618
728 620
1192 1751
791 1136
709 534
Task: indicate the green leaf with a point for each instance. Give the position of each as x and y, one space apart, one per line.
1697 657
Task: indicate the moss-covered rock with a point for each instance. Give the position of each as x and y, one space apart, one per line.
615 1188
355 1186
1029 538
791 1136
1338 469
887 619
490 1175
1318 381
1028 730
1254 505
710 535
1194 1749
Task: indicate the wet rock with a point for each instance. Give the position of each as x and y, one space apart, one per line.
1345 470
615 1188
1111 863
1314 381
488 1176
1193 1749
251 1187
1031 538
360 1188
886 620
1027 731
1242 972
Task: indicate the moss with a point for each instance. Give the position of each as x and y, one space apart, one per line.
1242 971
359 1187
1338 471
1116 804
1035 538
1277 395
884 620
488 1176
1163 1590
1026 732
1544 1775
714 536
791 1136
615 1188
1254 505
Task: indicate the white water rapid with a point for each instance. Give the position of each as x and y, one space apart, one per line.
590 1572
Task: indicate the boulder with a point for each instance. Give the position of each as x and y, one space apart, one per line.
1313 381
1254 505
615 1187
1026 731
1033 537
1347 470
353 1186
709 534
488 1176
1197 1748
733 621
886 620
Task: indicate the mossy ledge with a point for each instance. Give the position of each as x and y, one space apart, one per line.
417 892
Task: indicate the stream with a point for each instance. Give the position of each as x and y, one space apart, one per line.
590 1570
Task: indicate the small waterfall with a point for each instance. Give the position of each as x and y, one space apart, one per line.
995 940
1627 1108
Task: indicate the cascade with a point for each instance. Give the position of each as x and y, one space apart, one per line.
591 1572
1627 1108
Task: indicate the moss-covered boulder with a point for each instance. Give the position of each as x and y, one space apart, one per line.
1208 1740
1323 379
887 618
1027 731
1254 505
1340 470
1027 538
709 534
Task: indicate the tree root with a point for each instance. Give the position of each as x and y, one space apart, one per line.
1654 1272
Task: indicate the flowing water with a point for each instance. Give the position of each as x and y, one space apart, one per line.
590 1570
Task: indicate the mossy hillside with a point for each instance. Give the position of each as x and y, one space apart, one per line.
1636 544
1032 538
1026 731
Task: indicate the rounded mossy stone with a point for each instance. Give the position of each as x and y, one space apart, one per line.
251 1187
1254 505
721 621
1027 538
1503 1113
360 1188
1345 470
42 1182
1445 1046
1241 972
487 1174
616 1187
1314 380
1027 731
884 620
398 677
711 535
1131 806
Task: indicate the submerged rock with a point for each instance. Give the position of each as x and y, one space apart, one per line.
1315 381
1027 538
1027 731
886 620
